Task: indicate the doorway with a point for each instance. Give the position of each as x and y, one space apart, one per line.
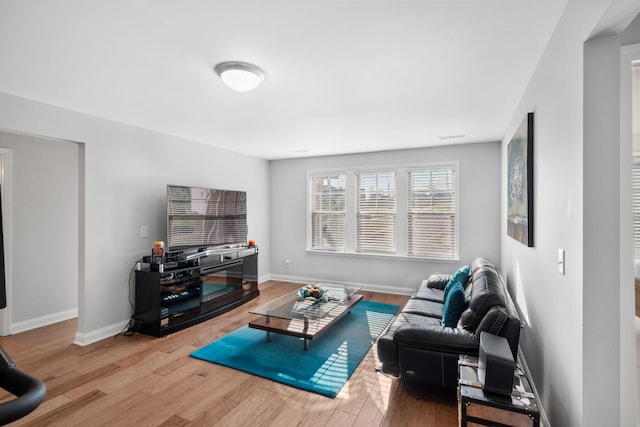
635 141
41 230
631 85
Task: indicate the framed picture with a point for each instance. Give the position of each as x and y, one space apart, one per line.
520 183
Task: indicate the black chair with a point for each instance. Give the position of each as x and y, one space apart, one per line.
29 391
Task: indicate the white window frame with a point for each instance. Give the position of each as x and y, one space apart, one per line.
427 207
393 212
402 220
311 211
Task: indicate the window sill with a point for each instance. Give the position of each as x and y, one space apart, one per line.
381 256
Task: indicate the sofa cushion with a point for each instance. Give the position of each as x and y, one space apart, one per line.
461 276
481 263
487 290
430 335
387 349
453 306
429 293
438 281
423 308
493 321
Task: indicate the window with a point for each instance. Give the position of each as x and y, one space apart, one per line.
432 212
328 212
408 211
376 224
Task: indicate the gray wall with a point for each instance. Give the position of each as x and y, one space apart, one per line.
479 198
43 210
579 354
122 184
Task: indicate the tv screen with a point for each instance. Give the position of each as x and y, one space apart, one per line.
202 217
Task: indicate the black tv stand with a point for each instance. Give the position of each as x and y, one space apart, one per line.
181 293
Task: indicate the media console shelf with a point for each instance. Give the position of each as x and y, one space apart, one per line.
182 294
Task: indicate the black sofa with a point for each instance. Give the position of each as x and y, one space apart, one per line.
417 347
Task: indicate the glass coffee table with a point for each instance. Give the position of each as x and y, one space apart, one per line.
305 318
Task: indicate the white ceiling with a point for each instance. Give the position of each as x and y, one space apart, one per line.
342 76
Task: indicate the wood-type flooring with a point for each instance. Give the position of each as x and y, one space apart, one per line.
140 380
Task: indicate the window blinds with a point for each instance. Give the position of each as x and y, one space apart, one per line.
328 212
376 212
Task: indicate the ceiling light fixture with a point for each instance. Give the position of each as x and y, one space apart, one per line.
240 76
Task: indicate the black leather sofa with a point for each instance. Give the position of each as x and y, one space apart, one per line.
417 347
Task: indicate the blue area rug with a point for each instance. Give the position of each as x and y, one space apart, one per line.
324 368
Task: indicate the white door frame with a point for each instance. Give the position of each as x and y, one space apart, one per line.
628 382
5 186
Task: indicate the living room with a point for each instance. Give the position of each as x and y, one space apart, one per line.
114 177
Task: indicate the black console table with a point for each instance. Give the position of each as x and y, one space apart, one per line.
173 296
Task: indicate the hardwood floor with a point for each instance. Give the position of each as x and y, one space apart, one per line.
145 381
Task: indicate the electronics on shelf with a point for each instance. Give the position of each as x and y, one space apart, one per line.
186 290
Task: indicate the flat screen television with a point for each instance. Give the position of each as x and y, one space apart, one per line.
201 218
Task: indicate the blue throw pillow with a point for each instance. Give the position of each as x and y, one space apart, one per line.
459 276
453 306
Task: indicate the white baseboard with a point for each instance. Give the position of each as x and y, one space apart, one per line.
80 338
544 421
100 334
39 322
264 278
364 286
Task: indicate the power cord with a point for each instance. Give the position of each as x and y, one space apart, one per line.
134 324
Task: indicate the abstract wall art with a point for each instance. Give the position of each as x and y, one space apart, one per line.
520 183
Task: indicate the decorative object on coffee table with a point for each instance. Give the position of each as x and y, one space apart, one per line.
314 291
